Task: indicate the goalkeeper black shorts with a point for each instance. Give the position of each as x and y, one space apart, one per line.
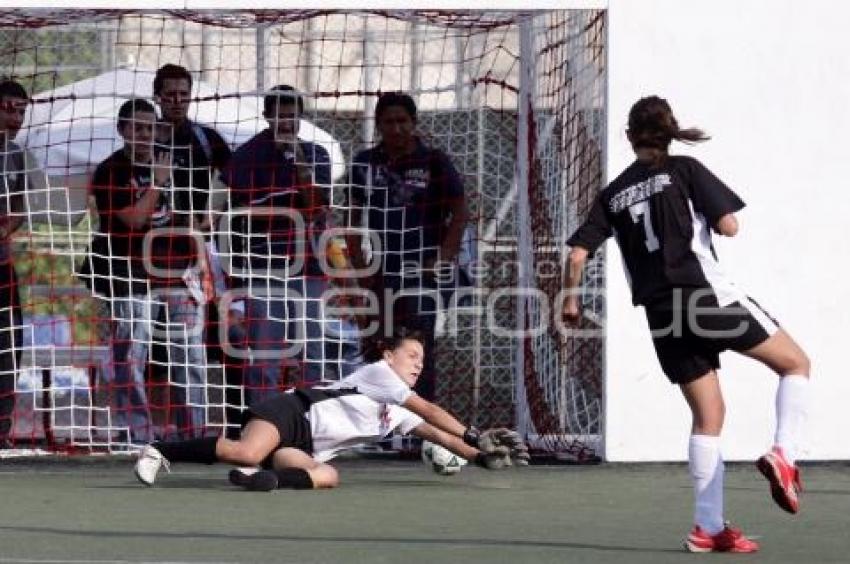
287 413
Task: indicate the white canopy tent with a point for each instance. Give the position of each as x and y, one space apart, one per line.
72 128
69 130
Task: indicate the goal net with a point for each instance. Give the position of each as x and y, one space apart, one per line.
98 355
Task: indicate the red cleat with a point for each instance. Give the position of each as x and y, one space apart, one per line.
784 479
729 539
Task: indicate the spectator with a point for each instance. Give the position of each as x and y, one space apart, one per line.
133 192
13 173
199 154
278 178
412 197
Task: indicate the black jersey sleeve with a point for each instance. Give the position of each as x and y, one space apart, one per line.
595 229
711 197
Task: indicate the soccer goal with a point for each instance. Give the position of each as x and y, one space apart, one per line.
515 99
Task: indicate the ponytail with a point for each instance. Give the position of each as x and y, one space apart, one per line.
652 125
691 135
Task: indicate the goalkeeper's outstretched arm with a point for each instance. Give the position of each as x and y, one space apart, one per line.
492 449
428 432
435 415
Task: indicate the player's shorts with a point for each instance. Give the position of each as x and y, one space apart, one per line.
690 330
287 412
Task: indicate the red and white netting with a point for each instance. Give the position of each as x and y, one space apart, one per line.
515 99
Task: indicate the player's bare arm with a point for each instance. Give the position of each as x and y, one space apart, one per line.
727 225
577 259
499 442
435 415
428 432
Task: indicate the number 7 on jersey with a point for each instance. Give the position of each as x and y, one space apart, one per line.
641 212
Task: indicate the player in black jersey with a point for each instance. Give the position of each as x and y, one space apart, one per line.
293 435
661 210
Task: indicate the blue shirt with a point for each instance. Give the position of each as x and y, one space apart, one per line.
259 175
407 202
259 171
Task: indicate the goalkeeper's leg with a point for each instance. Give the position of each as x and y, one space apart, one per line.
292 468
259 439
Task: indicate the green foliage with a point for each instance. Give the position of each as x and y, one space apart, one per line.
43 59
43 257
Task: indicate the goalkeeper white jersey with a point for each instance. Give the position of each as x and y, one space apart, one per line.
361 408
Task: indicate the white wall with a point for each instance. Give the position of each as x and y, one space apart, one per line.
770 81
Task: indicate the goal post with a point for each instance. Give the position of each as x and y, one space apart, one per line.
514 99
559 369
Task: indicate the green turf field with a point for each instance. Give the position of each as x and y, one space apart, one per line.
401 512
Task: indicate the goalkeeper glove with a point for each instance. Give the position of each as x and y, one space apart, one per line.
493 439
498 441
493 460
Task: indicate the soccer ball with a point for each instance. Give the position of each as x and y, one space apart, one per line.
441 460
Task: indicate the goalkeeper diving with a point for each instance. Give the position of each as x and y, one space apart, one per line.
288 439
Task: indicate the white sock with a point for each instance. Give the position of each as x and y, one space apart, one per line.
792 412
706 468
